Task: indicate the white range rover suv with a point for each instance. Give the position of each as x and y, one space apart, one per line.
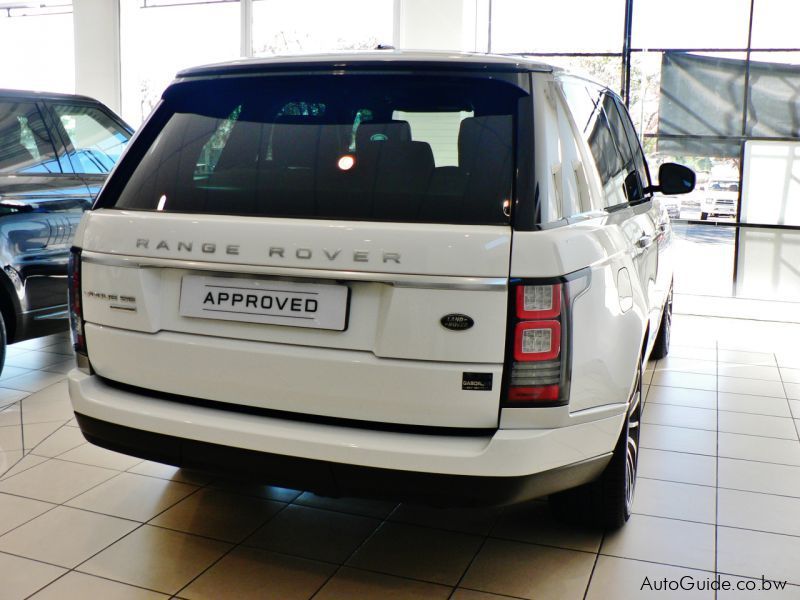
421 276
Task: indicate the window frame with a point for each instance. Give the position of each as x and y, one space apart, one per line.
602 90
44 116
636 146
66 143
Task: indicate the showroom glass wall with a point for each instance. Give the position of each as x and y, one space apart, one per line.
716 57
714 84
161 37
36 45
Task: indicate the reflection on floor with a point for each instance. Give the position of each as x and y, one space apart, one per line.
704 257
719 491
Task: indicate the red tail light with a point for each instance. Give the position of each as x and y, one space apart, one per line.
537 340
536 372
76 308
538 301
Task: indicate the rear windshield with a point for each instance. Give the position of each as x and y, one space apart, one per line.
355 147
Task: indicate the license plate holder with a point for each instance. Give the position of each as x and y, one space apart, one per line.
265 301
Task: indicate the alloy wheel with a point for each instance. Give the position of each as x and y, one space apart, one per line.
632 442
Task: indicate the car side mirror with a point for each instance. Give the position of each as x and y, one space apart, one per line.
674 179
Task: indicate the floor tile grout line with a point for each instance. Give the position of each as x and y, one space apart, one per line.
700 389
57 504
355 551
717 430
471 562
764 531
139 526
36 560
761 462
387 519
68 571
7 478
789 404
763 379
498 594
226 553
673 518
599 548
737 412
48 584
86 464
47 459
716 483
655 562
65 505
666 564
737 527
22 427
722 487
485 538
241 542
352 513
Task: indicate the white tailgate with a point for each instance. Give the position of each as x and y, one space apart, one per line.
380 352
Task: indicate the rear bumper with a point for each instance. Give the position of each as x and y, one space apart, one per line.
337 479
507 466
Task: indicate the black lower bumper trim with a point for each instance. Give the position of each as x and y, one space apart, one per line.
336 479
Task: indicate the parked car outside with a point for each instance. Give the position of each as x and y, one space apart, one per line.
352 274
55 153
672 206
721 198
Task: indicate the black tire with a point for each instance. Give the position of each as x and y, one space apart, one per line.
608 501
661 346
703 216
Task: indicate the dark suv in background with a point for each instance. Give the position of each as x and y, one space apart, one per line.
56 151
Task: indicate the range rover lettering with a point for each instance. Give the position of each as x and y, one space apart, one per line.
417 276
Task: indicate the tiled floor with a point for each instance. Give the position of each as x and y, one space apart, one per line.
718 492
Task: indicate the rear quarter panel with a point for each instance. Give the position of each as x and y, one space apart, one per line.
606 336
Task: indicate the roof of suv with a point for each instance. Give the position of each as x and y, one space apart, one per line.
381 59
9 93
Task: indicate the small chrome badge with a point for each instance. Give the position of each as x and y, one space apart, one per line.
457 322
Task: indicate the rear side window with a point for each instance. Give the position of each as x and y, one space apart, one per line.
636 147
361 147
605 135
95 140
25 145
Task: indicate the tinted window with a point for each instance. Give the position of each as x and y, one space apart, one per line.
586 104
603 129
634 190
365 147
96 141
633 139
25 145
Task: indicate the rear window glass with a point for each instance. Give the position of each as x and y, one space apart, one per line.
360 147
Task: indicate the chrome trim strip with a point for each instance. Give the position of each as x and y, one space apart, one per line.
439 282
